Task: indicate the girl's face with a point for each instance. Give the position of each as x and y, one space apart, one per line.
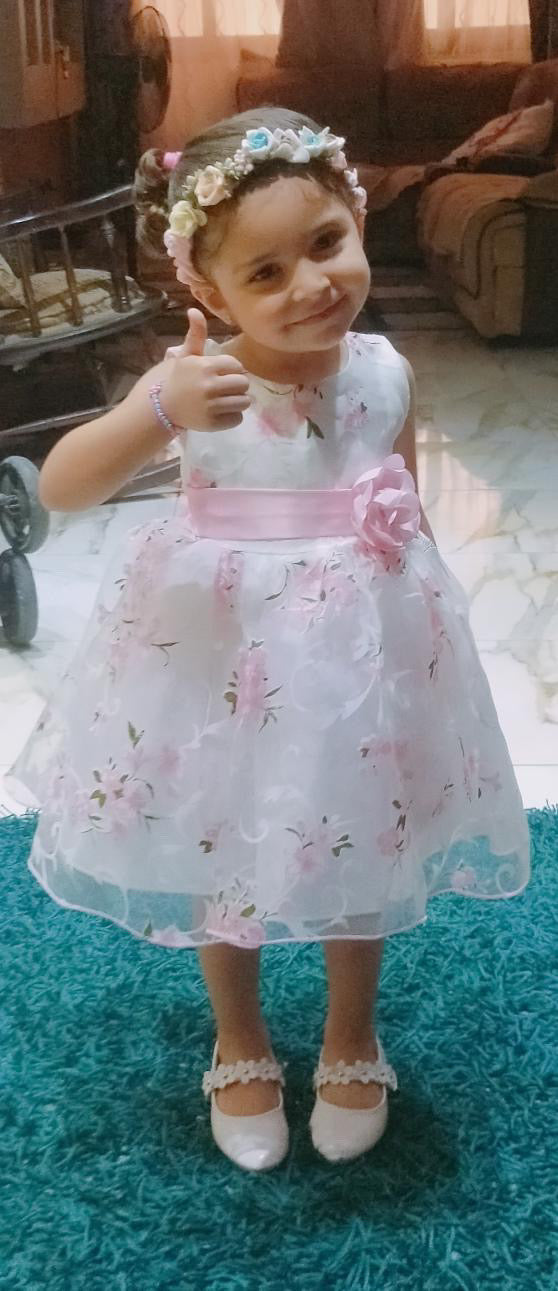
291 271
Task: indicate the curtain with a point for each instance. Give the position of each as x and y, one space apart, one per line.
357 34
472 31
401 30
208 41
324 32
544 29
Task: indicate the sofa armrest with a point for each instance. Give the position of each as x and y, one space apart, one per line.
542 190
438 170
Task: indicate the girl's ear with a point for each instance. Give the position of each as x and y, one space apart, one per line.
210 297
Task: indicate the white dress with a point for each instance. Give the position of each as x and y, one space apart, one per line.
276 741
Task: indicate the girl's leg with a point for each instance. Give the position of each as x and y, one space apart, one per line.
232 979
353 969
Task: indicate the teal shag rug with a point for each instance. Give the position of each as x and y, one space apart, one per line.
109 1178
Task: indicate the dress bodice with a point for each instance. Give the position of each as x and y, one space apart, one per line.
308 436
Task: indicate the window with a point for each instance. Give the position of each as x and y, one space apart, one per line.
248 17
211 18
476 13
468 31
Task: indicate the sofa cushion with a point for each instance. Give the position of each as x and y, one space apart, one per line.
54 303
535 84
456 212
333 96
425 103
525 130
10 286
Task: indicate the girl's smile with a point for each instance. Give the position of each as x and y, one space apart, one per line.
321 314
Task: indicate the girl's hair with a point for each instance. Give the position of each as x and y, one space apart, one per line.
157 189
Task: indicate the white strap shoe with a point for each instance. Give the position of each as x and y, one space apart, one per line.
252 1142
341 1133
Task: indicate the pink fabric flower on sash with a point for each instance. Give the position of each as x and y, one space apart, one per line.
386 507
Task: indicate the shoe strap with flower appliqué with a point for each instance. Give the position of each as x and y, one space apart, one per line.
242 1072
342 1073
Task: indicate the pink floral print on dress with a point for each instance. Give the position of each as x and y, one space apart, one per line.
319 588
247 693
198 479
228 579
440 638
373 749
356 416
394 842
171 936
274 422
227 925
232 917
316 846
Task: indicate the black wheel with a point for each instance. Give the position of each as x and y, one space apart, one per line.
23 519
19 610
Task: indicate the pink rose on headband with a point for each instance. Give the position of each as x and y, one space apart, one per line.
180 251
386 508
211 187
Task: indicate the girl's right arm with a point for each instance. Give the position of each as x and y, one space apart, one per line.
90 463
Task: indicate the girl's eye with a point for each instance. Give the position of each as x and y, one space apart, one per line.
265 274
327 241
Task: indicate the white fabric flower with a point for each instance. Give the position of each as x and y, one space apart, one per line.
211 186
258 143
323 144
285 144
295 146
184 219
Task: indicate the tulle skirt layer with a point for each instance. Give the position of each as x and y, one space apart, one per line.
272 743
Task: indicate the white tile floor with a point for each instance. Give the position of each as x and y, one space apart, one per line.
488 476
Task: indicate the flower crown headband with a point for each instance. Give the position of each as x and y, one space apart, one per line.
214 184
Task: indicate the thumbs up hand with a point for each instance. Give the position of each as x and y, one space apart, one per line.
196 336
199 391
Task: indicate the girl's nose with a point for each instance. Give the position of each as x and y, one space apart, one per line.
309 281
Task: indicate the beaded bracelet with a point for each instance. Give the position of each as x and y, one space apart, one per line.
161 416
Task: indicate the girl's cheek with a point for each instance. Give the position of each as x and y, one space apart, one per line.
268 309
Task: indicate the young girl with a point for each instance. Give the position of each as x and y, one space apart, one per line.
277 727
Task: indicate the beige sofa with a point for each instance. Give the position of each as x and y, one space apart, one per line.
489 239
490 242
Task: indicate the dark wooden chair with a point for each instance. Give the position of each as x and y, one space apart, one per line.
43 250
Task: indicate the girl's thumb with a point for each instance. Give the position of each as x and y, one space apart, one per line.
196 335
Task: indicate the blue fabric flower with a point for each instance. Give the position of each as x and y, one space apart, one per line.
258 139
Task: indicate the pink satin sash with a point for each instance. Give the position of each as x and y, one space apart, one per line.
382 508
271 513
